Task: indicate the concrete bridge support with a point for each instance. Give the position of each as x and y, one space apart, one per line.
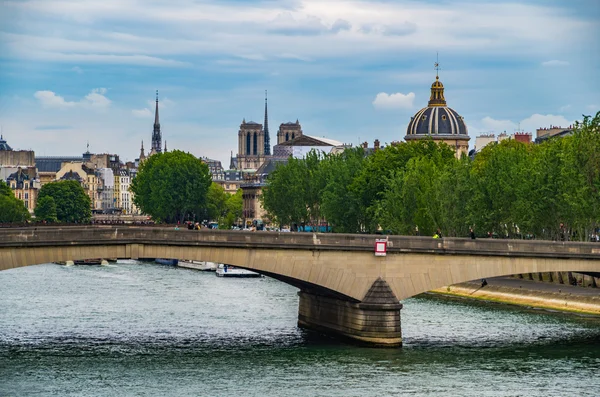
375 321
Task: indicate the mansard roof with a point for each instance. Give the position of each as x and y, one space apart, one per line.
53 164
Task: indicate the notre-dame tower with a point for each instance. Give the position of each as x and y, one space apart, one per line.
253 143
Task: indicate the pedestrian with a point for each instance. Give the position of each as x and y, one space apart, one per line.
472 233
439 233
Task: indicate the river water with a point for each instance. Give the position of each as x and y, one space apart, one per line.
133 329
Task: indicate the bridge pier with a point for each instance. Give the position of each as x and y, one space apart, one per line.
375 321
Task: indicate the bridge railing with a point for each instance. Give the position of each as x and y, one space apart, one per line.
118 235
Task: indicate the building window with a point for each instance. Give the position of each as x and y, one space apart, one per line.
443 117
287 137
26 196
248 143
424 117
255 147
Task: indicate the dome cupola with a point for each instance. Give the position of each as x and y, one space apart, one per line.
439 122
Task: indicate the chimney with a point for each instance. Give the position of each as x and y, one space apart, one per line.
376 144
365 145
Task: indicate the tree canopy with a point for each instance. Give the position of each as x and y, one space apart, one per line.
71 202
172 187
45 210
223 207
12 210
509 189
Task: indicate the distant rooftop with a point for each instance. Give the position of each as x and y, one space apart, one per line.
53 163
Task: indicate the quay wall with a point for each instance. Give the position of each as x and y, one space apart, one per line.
575 299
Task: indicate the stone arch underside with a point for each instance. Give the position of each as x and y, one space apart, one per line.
344 274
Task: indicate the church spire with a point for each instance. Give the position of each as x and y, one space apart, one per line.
142 155
156 134
267 139
156 111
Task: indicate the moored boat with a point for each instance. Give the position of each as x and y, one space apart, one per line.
232 271
163 261
198 265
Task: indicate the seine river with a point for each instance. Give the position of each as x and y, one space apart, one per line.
133 329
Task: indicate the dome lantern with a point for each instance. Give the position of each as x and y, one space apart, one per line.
437 93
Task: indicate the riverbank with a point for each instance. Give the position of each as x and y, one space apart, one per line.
523 292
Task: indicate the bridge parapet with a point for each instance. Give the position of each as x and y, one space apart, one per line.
107 235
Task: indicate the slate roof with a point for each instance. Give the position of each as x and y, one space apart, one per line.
53 164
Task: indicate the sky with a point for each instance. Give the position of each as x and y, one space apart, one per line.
74 72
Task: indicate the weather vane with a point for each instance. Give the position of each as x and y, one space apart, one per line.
436 65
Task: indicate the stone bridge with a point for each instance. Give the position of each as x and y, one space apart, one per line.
344 288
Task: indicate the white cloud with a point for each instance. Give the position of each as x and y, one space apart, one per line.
555 62
493 125
536 121
94 100
530 124
220 28
394 101
399 29
339 25
49 99
148 112
143 113
564 108
286 24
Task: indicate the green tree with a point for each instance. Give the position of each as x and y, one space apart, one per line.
581 177
72 204
411 199
172 187
453 193
341 203
502 187
370 184
216 202
284 196
45 209
5 189
234 205
12 210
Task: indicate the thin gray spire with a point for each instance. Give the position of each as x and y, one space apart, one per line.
267 139
156 134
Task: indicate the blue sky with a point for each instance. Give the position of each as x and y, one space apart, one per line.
73 71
